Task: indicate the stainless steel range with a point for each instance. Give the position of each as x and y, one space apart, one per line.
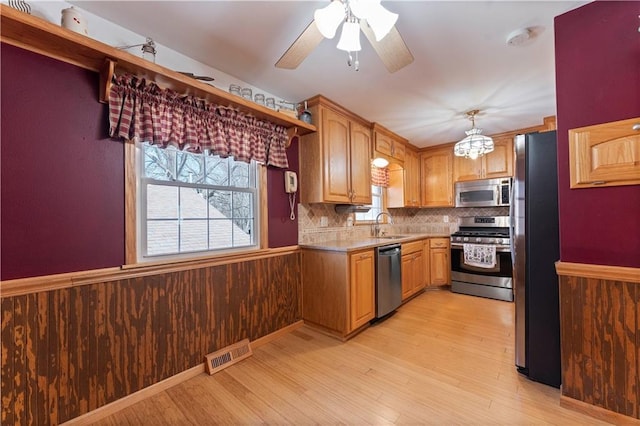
481 258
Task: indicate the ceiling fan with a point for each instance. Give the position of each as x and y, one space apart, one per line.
377 24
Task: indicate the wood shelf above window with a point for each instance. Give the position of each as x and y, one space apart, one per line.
37 35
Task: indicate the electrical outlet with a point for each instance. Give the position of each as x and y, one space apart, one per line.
324 221
445 219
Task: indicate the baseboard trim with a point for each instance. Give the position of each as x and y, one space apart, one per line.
122 403
597 412
276 334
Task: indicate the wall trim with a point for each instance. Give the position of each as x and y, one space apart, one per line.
597 412
22 286
122 403
602 272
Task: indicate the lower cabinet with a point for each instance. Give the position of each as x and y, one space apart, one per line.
338 290
439 261
413 268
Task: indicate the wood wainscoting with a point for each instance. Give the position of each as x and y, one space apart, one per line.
600 343
68 351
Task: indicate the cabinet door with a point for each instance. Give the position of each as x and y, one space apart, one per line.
499 162
440 267
383 144
407 275
412 179
467 169
437 178
426 267
360 158
362 290
605 154
335 142
418 272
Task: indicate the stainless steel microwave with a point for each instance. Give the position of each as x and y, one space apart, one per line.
483 193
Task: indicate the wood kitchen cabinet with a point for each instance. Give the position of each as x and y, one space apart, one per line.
496 164
436 175
338 290
404 182
388 145
439 261
605 154
335 162
413 278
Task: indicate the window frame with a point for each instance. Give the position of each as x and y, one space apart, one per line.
133 229
383 208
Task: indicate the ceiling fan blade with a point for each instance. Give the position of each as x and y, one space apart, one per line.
300 49
392 49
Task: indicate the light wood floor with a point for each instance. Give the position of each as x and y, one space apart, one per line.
443 358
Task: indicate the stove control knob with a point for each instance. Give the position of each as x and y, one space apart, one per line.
465 239
478 239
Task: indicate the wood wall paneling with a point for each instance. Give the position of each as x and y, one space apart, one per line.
68 351
601 343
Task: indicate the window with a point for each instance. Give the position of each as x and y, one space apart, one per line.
194 203
377 205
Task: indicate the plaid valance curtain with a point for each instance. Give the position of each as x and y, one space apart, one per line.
379 176
142 110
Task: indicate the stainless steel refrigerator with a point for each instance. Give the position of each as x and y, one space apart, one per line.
536 248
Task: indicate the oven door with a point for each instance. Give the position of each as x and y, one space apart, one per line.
502 268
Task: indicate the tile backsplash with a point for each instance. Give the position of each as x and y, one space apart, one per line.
408 220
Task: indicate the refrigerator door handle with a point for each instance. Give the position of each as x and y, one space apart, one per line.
512 226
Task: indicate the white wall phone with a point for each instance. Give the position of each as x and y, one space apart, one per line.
291 187
290 182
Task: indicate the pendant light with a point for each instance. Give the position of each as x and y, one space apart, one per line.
475 144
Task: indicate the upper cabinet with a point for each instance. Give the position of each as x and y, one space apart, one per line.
388 145
437 177
404 182
335 162
496 164
605 154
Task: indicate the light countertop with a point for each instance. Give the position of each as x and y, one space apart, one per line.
366 243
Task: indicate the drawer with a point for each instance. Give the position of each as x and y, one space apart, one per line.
439 242
411 247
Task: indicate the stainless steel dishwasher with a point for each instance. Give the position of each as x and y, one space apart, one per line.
388 279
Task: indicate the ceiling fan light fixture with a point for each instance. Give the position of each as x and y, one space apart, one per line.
475 144
380 20
328 18
350 37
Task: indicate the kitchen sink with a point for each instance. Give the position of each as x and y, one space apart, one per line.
391 237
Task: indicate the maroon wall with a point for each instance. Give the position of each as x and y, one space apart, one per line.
597 81
62 189
282 230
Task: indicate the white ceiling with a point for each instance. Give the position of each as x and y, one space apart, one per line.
462 60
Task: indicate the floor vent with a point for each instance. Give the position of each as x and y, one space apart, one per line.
225 357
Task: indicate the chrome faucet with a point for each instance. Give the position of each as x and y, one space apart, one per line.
376 228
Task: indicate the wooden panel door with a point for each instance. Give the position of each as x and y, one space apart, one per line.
412 179
335 142
437 178
605 154
440 267
407 275
499 162
360 167
467 169
362 288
